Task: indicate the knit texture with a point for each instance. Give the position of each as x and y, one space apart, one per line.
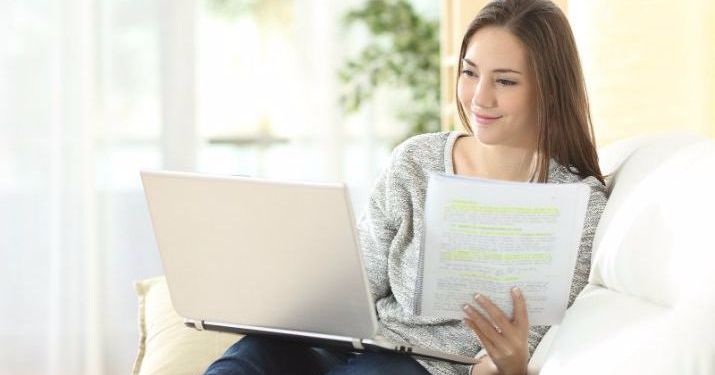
391 230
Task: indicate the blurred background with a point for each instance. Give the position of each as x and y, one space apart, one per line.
92 91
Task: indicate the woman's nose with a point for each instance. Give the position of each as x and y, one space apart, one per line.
483 94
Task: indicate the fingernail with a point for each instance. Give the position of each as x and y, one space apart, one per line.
465 307
477 297
516 291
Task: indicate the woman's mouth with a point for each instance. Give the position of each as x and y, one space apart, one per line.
484 119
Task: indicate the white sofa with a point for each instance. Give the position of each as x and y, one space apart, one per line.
649 307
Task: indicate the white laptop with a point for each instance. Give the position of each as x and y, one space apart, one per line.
256 256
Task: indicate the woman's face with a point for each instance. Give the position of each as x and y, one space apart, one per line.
496 90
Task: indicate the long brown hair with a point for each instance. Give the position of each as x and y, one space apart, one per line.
564 129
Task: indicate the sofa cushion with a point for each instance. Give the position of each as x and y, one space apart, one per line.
166 346
606 332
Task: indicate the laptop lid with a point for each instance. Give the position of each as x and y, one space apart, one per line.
260 253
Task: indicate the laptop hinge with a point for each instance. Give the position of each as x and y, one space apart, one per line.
357 344
196 324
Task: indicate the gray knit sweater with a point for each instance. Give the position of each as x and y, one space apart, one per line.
391 229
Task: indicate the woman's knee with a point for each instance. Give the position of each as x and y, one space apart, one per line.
263 355
251 345
249 355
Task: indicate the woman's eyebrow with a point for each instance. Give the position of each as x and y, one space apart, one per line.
500 70
506 71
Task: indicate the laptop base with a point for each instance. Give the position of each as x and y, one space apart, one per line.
331 341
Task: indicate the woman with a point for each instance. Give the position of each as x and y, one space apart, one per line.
522 100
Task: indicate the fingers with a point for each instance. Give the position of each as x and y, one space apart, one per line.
494 312
484 329
519 313
487 342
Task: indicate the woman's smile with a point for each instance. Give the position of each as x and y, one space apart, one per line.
484 119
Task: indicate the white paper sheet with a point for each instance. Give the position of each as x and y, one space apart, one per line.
485 236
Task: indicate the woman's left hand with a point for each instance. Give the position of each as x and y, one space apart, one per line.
506 339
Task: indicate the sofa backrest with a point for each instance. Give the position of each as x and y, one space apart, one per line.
656 238
649 307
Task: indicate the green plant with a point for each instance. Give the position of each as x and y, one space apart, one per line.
403 54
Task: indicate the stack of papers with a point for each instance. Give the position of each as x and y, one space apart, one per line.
484 236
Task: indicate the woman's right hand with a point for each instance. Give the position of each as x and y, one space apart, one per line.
504 339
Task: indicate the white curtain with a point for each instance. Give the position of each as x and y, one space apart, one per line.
91 92
80 113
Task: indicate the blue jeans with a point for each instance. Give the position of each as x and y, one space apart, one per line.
259 355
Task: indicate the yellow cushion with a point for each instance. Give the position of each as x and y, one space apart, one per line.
166 346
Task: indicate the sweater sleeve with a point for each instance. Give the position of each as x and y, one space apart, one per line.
376 230
596 204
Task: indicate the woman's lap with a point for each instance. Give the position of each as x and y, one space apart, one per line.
257 355
379 363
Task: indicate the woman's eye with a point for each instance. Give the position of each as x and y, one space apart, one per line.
468 73
506 82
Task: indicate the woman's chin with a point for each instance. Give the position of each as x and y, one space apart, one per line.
485 136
